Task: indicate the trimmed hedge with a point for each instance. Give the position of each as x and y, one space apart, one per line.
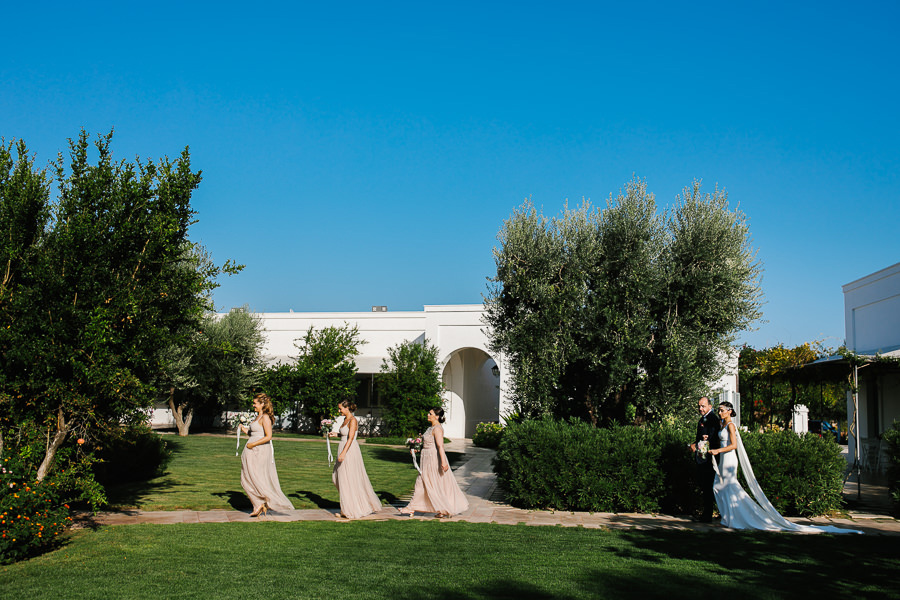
892 437
801 475
487 435
134 453
560 465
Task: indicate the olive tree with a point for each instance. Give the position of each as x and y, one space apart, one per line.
620 314
219 365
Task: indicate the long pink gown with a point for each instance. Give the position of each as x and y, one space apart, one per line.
258 476
436 490
358 499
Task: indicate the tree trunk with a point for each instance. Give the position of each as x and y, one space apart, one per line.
61 432
182 414
590 408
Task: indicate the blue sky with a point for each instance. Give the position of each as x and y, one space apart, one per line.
361 154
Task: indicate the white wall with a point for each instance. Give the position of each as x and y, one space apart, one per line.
456 330
872 312
872 325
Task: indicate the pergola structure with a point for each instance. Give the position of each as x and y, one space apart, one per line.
849 367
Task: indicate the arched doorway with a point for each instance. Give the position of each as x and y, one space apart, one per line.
472 391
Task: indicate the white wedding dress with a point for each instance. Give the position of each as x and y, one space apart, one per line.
738 509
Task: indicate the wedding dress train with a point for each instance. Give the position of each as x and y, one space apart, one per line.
738 509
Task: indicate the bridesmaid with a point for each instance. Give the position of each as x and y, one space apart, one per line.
258 476
358 499
436 489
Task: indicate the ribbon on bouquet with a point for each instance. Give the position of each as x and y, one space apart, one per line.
328 444
238 445
415 462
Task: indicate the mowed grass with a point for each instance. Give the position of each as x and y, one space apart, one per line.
450 560
205 474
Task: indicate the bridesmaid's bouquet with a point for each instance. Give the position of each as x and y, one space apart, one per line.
238 419
414 444
325 428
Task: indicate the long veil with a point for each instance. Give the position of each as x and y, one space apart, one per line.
763 501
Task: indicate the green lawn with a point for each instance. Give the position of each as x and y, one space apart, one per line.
205 474
450 560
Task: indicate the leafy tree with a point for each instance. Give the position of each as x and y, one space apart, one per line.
410 385
217 367
283 384
327 368
774 380
95 284
619 315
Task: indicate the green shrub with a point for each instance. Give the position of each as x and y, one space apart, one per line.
409 385
574 466
487 435
32 516
801 475
892 438
134 453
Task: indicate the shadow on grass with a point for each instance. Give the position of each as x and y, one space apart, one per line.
237 500
401 455
130 493
316 499
499 589
765 564
133 493
706 564
388 454
387 497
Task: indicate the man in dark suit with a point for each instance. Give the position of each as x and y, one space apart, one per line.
707 430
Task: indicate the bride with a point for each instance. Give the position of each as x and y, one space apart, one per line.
738 509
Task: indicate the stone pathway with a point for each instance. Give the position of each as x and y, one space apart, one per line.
477 480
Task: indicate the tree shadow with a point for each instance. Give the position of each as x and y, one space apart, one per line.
130 493
387 497
501 589
709 564
399 455
760 564
316 499
394 455
237 500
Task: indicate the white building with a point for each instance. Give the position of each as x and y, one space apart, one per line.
473 378
872 326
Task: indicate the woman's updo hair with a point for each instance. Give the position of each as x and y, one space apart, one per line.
729 406
267 407
439 412
348 405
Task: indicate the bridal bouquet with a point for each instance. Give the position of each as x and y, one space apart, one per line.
702 450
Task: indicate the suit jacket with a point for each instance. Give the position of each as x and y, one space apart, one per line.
709 425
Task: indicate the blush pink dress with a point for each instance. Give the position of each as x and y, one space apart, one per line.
358 499
258 476
436 490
